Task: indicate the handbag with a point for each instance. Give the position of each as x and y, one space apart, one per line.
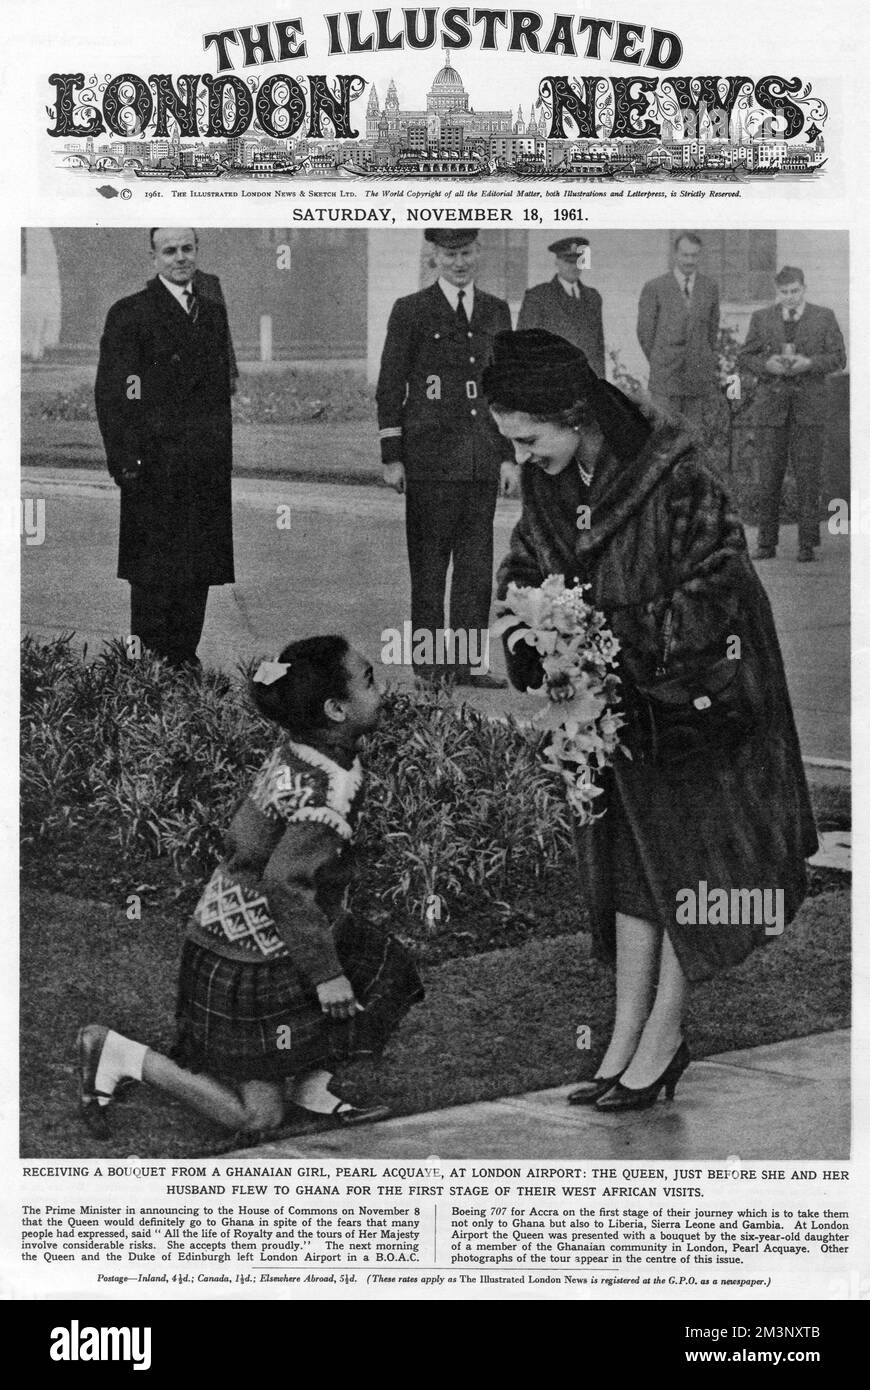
688 717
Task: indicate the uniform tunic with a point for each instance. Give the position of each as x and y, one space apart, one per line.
433 419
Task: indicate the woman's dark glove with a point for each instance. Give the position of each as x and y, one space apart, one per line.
524 668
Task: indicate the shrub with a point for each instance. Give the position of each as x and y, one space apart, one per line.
460 814
281 397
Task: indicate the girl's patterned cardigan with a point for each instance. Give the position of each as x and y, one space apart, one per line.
286 870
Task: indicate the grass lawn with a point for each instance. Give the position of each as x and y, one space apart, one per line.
494 1024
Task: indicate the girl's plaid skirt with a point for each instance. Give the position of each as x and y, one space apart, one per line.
264 1022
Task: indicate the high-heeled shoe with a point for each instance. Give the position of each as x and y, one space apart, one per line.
634 1098
588 1092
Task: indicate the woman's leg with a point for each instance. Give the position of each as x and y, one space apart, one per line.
637 952
663 1029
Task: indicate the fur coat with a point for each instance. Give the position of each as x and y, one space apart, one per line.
663 532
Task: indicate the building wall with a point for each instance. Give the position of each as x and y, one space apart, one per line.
318 306
40 293
824 259
335 300
622 261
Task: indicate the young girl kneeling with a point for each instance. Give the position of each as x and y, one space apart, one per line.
277 979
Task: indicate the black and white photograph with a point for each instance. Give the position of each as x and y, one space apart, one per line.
435 693
435 688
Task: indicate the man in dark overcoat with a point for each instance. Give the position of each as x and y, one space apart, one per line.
163 405
791 347
440 445
565 306
678 330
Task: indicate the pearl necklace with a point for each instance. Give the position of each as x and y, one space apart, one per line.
586 476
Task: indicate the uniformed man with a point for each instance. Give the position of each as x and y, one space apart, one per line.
441 448
564 305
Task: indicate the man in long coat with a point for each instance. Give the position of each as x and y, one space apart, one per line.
791 347
163 405
440 446
565 306
678 329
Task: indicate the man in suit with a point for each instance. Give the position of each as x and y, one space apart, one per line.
678 329
163 405
564 305
791 347
440 446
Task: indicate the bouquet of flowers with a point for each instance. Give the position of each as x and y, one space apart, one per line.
578 654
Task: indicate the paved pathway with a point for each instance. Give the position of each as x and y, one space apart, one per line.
771 1103
341 566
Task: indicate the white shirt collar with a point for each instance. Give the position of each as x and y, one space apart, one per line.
568 287
798 313
178 290
452 293
681 279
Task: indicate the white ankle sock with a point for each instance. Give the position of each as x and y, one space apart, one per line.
120 1057
311 1092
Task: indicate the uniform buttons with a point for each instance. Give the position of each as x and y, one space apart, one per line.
471 359
474 412
468 335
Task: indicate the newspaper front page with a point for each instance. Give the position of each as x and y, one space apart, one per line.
357 204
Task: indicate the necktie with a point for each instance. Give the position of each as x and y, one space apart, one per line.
687 288
461 315
192 303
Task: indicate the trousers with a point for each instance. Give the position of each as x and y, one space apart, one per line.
693 409
450 521
168 618
801 444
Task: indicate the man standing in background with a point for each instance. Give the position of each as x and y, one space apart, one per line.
564 305
678 330
791 347
163 405
440 445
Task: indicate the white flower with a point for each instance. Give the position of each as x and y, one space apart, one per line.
578 654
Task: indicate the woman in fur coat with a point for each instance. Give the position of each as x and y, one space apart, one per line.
626 506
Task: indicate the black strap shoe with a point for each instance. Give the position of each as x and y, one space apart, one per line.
90 1043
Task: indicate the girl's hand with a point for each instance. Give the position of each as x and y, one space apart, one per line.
337 998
